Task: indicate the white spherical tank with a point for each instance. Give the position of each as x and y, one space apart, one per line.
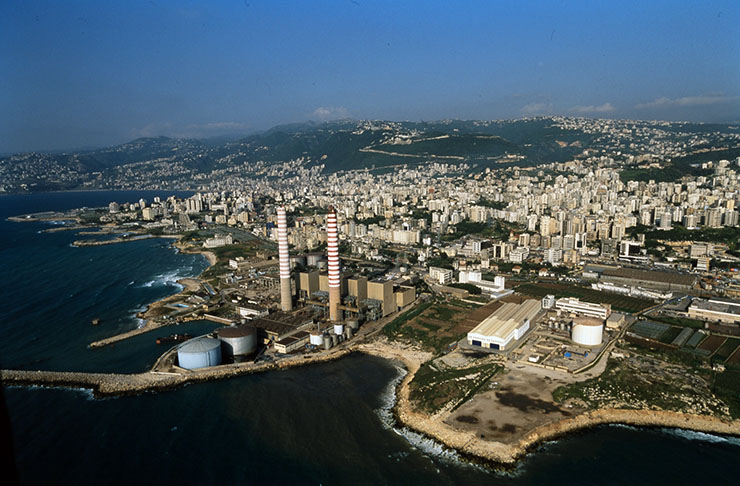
587 332
199 353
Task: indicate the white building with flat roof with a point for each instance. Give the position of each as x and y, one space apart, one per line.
441 275
573 305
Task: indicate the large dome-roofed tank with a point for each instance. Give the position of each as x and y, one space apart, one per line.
238 340
587 331
199 353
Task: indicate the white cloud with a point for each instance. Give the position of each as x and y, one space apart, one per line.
330 113
536 109
664 102
605 108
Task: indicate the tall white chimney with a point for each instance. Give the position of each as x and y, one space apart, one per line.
286 298
332 246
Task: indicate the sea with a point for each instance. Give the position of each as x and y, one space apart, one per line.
323 424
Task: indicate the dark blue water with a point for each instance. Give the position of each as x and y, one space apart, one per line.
324 424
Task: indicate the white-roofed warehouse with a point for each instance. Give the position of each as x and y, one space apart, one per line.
507 324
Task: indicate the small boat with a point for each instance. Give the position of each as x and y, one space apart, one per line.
96 321
174 338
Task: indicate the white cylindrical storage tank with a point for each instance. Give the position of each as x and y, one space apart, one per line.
587 332
237 340
353 324
334 340
348 333
199 353
338 329
327 341
317 339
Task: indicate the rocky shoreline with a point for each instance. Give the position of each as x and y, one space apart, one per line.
506 455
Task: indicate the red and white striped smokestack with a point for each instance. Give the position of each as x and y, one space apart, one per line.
286 297
332 247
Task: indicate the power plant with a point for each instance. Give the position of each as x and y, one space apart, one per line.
315 321
332 246
286 297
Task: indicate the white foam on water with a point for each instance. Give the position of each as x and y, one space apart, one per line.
86 392
168 279
702 436
420 442
687 434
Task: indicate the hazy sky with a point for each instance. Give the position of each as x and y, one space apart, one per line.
75 73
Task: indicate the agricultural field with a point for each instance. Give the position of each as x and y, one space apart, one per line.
726 350
433 325
712 343
620 303
678 321
734 359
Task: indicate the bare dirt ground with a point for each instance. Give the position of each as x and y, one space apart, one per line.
521 401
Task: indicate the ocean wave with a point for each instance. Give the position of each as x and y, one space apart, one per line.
420 442
165 280
86 392
702 436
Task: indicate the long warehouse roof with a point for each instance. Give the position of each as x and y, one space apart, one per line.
507 318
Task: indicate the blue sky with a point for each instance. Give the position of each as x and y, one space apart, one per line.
77 73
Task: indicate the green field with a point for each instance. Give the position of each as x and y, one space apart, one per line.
679 321
432 325
433 388
727 387
621 303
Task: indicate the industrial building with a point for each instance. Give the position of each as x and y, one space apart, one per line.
650 279
508 323
616 320
715 309
293 342
573 305
278 325
496 288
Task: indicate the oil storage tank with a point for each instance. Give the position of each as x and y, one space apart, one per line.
316 339
587 331
199 353
237 340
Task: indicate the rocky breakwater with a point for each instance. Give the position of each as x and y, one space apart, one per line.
111 241
115 384
101 383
